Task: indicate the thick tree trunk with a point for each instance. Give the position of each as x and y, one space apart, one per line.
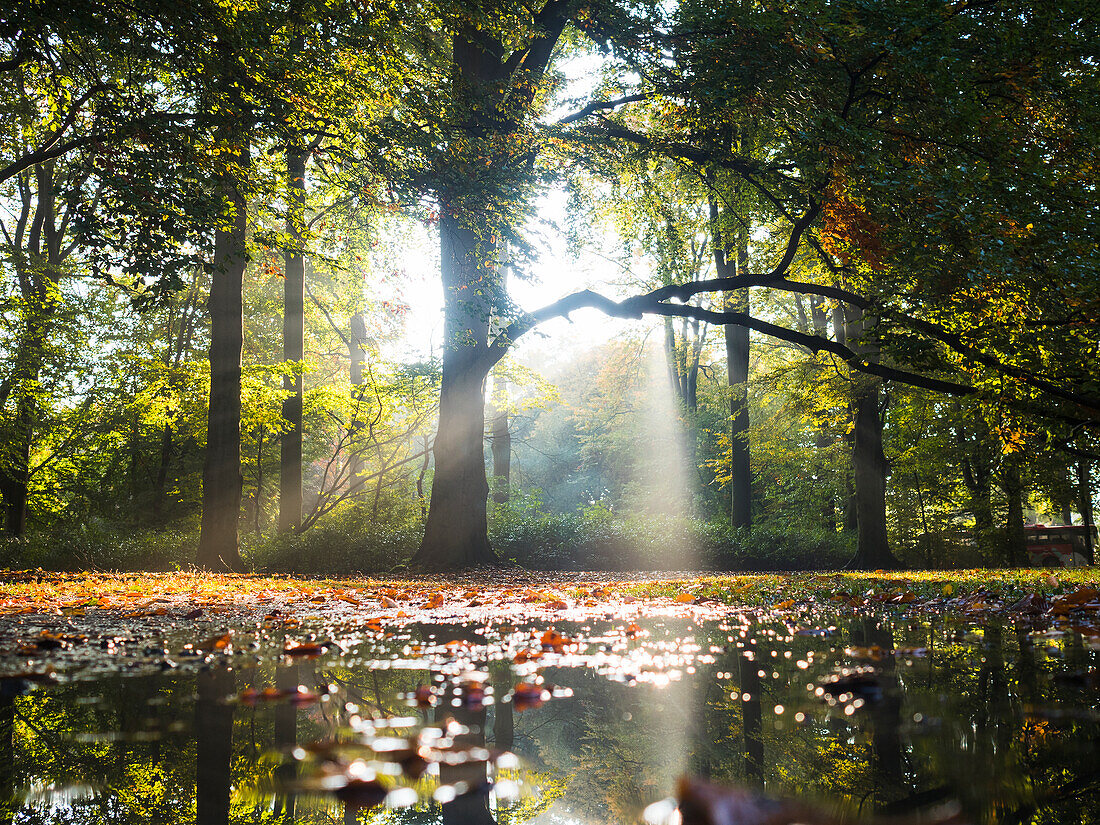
1016 545
751 716
213 746
221 475
294 309
977 476
15 475
478 180
737 365
39 288
869 465
9 804
869 477
1084 506
456 532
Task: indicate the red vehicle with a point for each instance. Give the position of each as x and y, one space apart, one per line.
1059 545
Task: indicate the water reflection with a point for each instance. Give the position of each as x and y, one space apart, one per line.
856 717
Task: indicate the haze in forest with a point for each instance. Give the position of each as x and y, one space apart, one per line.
368 286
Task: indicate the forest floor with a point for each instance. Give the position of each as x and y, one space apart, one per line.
68 622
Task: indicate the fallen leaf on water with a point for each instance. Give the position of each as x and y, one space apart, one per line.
309 649
216 642
527 696
552 640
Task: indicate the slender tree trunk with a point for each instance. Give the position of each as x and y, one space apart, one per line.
285 738
167 445
851 522
737 365
221 476
737 370
259 478
1084 506
822 439
501 444
294 309
357 357
15 475
977 476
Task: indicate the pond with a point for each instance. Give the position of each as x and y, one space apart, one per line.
847 717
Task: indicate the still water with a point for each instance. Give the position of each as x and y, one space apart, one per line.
857 718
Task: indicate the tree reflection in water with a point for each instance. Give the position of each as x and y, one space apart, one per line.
998 718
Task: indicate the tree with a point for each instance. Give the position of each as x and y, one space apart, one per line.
495 78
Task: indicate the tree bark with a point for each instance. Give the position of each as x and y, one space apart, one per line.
213 746
869 465
977 476
1084 506
737 368
478 179
221 475
39 278
357 356
751 716
456 532
501 444
869 477
1016 545
294 308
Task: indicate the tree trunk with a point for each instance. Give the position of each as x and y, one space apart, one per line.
294 309
38 286
822 439
737 371
456 532
751 716
213 746
501 444
15 475
737 365
9 804
977 476
478 179
357 357
258 500
869 465
1084 506
1016 546
869 477
221 475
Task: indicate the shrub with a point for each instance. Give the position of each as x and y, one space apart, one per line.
345 543
101 545
599 540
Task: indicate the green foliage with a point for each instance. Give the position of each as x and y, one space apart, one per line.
597 539
348 541
101 545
